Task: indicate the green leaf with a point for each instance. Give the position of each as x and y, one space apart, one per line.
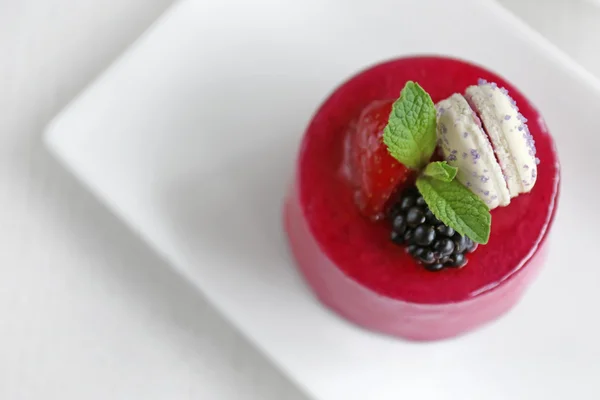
410 134
440 170
457 207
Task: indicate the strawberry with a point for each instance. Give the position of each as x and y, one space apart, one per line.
377 174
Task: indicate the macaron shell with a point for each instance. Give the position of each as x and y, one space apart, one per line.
509 134
465 145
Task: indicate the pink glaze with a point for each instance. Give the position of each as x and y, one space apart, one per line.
349 261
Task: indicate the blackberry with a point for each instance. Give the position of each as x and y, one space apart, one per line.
433 244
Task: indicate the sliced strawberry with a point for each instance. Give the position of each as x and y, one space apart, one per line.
377 174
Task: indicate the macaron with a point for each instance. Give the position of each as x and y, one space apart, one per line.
465 145
507 129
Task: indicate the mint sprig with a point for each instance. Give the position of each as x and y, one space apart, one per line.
410 137
440 170
410 133
457 207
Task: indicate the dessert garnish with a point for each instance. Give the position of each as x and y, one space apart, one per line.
509 134
427 239
411 139
447 211
377 172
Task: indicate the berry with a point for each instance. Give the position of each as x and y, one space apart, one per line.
472 248
396 237
415 216
430 218
377 174
433 244
457 261
407 202
427 257
434 267
408 237
399 223
424 235
394 210
460 242
444 230
415 250
444 246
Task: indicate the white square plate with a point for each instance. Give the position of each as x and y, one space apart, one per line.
191 138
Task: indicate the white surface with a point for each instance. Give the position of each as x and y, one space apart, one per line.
86 311
191 139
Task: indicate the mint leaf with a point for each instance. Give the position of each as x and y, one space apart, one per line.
440 170
410 133
457 207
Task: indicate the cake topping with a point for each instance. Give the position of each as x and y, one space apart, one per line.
410 131
477 167
489 157
377 174
507 129
427 239
410 136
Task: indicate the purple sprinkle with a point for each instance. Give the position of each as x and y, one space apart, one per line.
533 174
526 166
481 81
444 129
494 85
465 134
494 197
537 161
469 184
452 157
486 193
506 117
504 91
464 155
521 127
475 155
454 151
484 179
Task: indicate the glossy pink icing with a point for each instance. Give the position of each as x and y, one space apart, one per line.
349 261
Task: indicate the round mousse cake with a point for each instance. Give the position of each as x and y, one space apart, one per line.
352 261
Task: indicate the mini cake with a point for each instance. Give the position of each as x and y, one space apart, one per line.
424 191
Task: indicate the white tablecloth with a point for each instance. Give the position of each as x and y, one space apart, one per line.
86 310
